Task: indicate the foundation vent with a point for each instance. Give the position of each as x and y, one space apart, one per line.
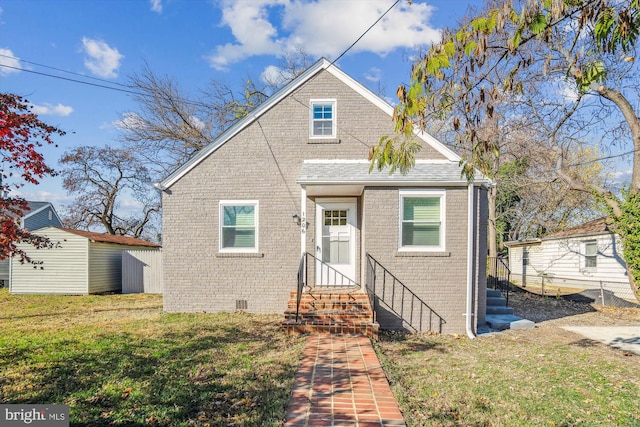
241 304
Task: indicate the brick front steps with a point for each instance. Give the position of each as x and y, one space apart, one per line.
330 311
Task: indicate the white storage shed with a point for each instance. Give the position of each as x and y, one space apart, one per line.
80 263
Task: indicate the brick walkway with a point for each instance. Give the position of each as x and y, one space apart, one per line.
339 382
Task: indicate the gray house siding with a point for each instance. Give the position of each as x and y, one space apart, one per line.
439 278
197 277
262 163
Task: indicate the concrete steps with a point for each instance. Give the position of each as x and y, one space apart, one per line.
499 315
330 312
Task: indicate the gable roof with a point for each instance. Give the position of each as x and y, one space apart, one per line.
35 207
110 238
597 226
320 65
591 228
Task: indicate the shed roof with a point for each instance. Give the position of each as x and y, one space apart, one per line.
110 238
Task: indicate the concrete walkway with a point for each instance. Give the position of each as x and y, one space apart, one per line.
625 338
339 382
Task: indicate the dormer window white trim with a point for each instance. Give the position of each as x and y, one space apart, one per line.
322 119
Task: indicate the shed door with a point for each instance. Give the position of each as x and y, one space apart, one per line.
335 243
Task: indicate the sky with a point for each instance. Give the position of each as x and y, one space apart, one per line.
49 47
102 42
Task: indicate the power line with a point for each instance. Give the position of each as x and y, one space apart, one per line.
73 80
62 70
131 92
366 31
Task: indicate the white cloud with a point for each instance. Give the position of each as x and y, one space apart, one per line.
102 60
275 76
57 199
156 6
8 58
568 90
373 75
129 121
52 110
197 123
322 28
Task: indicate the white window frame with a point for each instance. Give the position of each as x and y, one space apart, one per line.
334 117
584 255
256 211
426 194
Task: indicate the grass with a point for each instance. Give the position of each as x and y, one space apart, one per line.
539 377
119 360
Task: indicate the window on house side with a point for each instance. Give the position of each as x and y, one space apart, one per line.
238 226
590 254
323 119
422 221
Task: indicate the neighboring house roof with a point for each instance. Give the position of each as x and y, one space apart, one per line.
591 228
319 66
35 207
597 226
110 238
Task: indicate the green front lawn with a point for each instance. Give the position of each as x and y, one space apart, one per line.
119 360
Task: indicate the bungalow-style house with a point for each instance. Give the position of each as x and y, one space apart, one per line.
581 256
80 263
284 200
40 214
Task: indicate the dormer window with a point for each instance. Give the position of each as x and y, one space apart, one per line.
322 122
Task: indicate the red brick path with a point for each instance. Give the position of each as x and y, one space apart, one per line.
339 382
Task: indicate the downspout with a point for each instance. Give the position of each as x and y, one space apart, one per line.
470 256
303 226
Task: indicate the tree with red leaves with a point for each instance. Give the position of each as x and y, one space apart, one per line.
21 133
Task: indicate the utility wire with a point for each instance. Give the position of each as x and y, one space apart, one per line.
64 71
74 80
117 89
366 31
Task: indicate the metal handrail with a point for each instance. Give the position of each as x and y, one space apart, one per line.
499 276
406 311
340 279
302 273
303 269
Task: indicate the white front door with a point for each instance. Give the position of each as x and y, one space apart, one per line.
336 242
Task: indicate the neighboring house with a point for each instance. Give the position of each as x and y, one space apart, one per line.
292 177
80 263
585 254
40 214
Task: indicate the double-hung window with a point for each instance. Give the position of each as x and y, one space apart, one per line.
422 220
590 254
238 226
322 122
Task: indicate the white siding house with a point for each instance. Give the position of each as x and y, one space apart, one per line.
583 256
80 263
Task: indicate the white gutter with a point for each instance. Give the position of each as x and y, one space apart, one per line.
470 255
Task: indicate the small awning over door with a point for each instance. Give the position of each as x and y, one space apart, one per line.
349 177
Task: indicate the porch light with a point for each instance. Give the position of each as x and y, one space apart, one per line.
296 219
